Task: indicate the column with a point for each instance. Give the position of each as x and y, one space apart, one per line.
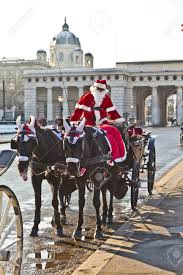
30 102
130 105
49 105
80 91
155 112
179 103
118 98
65 102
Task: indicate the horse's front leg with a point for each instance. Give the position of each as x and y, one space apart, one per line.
110 210
37 184
96 203
105 208
81 201
62 208
55 183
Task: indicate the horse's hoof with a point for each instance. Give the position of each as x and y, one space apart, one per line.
110 219
104 221
77 234
53 223
60 232
98 234
63 219
34 233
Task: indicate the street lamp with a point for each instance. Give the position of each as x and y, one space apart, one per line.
132 110
60 99
4 111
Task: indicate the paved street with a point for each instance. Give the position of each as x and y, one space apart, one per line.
168 152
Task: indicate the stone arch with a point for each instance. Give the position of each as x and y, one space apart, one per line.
164 93
140 94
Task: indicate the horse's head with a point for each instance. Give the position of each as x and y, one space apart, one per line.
25 144
74 146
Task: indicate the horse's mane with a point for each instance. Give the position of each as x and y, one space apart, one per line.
50 148
95 139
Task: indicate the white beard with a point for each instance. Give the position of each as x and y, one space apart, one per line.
98 96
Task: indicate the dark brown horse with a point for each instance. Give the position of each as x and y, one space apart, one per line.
41 149
86 147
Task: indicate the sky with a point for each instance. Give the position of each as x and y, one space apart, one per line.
113 31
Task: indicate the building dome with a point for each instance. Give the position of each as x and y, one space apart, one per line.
65 37
41 51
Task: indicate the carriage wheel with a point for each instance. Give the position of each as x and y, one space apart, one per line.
135 185
151 169
11 231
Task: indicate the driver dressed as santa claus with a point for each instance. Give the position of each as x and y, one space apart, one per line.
96 106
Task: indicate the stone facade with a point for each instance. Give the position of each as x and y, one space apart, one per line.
130 84
11 71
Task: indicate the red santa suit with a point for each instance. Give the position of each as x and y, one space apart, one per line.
96 106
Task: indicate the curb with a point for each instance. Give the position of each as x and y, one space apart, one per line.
98 260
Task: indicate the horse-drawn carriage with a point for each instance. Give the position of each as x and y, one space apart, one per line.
41 149
141 158
11 228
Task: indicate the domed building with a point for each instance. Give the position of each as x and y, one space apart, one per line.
65 50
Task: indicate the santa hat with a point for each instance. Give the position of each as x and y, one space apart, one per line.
101 83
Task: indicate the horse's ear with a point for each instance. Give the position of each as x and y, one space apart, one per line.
81 125
18 123
67 126
32 122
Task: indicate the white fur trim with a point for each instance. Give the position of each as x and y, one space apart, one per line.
122 158
109 144
100 85
120 119
103 119
110 109
74 160
93 88
22 158
97 117
83 107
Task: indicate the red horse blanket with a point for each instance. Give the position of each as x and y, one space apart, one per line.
117 145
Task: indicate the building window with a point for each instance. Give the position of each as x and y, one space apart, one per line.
174 77
44 78
11 84
29 79
52 78
182 77
76 78
149 78
133 78
141 78
60 78
158 78
108 77
84 78
100 77
116 77
61 57
52 58
77 59
37 79
68 78
166 77
91 77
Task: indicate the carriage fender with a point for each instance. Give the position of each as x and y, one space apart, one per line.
151 142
